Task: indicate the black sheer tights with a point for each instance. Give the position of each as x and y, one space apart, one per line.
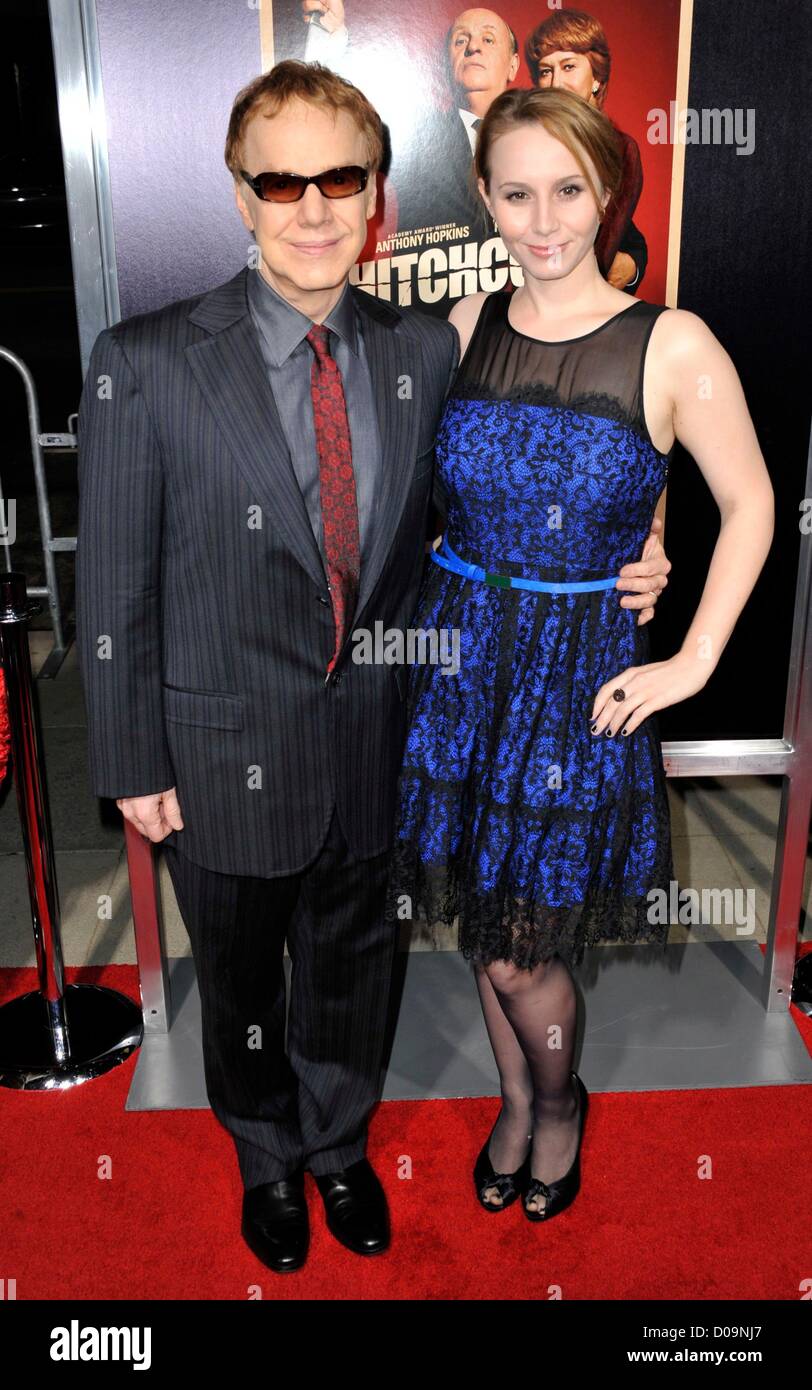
530 1017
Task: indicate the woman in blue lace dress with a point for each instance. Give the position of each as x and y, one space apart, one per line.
532 800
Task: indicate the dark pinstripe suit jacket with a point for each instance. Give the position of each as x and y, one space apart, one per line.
203 621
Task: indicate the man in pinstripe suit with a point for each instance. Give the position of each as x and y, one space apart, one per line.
205 626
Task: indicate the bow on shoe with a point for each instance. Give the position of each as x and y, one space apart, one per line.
537 1188
504 1184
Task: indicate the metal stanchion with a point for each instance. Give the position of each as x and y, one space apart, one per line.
57 1036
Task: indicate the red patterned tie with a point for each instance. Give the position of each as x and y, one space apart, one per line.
339 508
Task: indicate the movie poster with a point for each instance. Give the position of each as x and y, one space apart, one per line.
432 70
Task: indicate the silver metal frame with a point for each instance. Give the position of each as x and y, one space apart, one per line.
50 543
81 113
83 130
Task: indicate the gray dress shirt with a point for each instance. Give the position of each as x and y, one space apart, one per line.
288 359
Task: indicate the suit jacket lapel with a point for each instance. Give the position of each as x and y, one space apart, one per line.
230 371
395 367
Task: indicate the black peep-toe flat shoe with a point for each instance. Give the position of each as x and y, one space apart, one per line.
508 1185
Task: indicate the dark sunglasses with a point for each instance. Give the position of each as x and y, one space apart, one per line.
289 188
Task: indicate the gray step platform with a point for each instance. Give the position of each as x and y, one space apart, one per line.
689 1020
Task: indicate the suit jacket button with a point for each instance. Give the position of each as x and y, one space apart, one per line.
337 679
322 598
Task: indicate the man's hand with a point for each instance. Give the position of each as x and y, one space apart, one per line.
621 271
330 14
647 577
154 816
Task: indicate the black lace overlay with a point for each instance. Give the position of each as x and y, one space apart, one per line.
540 837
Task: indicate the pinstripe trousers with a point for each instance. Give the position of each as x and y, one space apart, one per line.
309 1101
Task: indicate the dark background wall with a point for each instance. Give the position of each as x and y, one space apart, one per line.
745 270
37 300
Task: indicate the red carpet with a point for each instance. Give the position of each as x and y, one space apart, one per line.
645 1225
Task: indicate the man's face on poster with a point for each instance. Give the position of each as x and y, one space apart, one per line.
309 245
480 52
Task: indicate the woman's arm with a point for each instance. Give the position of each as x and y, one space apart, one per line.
713 423
463 315
711 420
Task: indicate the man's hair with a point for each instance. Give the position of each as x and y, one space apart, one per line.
310 82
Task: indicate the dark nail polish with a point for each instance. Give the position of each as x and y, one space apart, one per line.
609 733
594 728
624 732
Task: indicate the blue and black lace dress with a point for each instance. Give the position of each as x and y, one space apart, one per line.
541 836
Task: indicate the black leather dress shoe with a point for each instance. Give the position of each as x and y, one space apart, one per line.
275 1223
355 1204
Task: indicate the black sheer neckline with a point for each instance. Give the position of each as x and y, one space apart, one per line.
564 342
597 403
592 374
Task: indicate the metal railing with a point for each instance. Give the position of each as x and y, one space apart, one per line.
51 544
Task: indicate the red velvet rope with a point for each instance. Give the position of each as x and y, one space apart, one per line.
5 727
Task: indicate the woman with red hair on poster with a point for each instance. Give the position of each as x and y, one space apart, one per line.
570 50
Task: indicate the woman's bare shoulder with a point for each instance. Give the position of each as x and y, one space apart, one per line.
682 333
464 316
682 348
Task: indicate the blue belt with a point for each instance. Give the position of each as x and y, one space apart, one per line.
450 561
